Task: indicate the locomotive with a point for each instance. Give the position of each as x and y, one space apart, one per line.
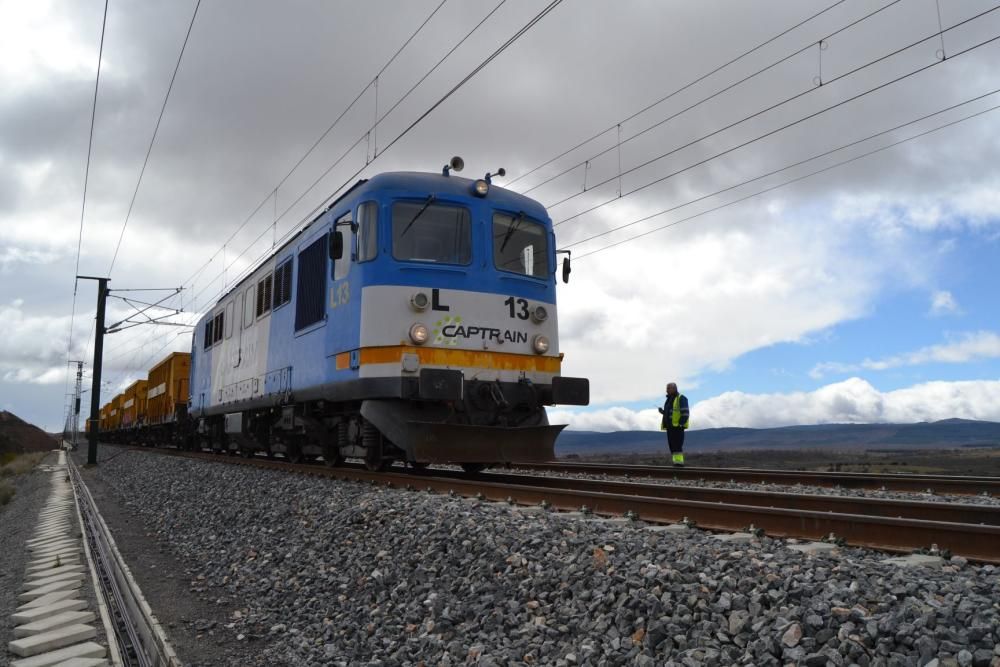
413 320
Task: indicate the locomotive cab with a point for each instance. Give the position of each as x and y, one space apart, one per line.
421 326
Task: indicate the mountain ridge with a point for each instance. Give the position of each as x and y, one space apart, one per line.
946 433
18 436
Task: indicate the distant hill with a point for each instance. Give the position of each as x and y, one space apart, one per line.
947 433
18 436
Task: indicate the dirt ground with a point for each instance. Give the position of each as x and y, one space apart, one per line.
968 461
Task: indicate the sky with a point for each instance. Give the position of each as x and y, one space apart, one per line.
790 209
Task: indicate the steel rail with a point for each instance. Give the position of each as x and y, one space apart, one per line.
885 507
140 639
956 484
974 541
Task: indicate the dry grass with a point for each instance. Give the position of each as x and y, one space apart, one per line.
6 493
21 464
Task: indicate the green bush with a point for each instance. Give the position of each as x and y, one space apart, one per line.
6 493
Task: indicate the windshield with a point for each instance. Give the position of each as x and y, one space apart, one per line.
423 231
520 245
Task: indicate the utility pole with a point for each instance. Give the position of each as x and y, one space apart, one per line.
95 388
100 329
75 411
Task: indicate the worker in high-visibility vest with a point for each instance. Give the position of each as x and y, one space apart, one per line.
675 413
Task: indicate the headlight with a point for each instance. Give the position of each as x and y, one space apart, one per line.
419 301
481 188
540 343
539 314
418 333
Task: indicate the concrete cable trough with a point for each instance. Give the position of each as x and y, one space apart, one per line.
138 637
53 625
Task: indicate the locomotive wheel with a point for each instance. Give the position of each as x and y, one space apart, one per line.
377 463
371 439
294 454
332 457
474 468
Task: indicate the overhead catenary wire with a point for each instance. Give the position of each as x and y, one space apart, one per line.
781 128
437 65
708 98
272 193
291 231
86 180
152 140
773 172
348 151
691 83
524 29
544 12
789 182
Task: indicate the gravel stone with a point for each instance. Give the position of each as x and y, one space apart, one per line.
792 635
325 572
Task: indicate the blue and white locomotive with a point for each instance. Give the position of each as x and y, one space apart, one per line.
414 319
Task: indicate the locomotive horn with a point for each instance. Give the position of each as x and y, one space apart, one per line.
456 163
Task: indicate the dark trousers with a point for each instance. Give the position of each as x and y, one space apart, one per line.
675 439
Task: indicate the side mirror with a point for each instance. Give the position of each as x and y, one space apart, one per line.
566 270
337 246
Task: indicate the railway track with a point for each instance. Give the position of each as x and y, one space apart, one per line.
953 484
888 525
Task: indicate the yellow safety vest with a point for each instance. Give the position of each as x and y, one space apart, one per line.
675 412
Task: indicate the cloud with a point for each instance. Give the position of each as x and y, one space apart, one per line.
32 346
257 87
971 346
11 256
696 298
852 401
943 303
607 419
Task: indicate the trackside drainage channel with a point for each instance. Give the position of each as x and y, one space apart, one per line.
137 636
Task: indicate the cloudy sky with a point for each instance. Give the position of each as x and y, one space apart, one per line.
741 233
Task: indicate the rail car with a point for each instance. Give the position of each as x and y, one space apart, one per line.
166 419
152 412
414 319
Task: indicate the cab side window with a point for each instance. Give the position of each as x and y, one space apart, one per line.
367 231
342 266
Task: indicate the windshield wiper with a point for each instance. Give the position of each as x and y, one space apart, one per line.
430 198
511 230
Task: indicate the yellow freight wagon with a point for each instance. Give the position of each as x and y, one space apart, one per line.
134 405
167 395
115 413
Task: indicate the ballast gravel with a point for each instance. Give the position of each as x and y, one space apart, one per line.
314 571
